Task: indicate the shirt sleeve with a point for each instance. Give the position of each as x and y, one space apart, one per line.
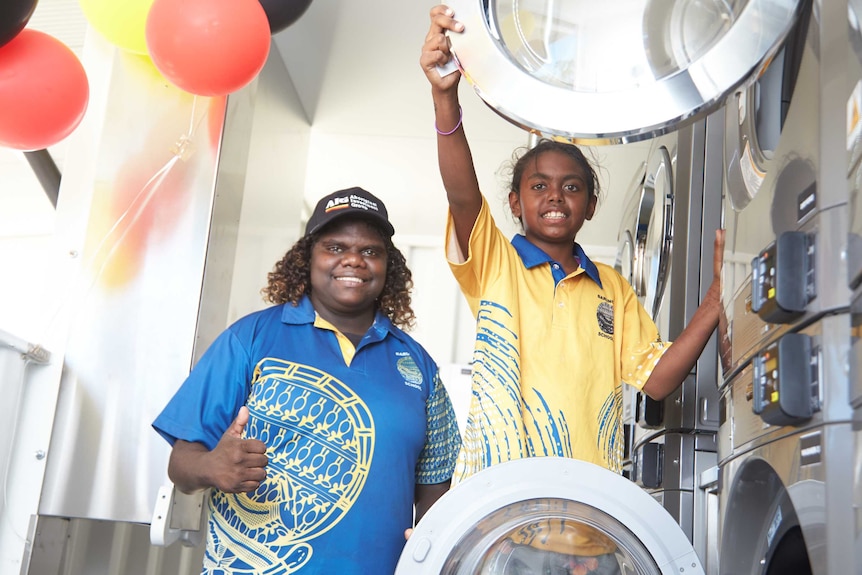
209 399
642 346
442 440
489 252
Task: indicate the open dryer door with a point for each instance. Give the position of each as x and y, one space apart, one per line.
547 515
613 72
646 231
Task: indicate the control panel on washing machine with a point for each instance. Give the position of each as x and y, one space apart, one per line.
785 388
782 278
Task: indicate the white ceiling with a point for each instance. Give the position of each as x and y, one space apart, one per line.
355 68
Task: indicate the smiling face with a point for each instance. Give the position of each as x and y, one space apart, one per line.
348 273
553 201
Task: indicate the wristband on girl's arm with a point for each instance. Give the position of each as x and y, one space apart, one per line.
458 125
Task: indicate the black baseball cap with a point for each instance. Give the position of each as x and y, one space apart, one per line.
353 202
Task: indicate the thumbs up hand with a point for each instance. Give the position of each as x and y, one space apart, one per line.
238 465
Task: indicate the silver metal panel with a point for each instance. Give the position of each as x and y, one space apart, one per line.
855 358
46 546
706 522
854 141
67 546
137 296
857 488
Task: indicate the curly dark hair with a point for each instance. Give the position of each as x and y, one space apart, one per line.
290 279
522 156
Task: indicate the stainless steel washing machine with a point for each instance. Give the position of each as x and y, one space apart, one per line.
785 435
646 228
671 443
547 515
784 443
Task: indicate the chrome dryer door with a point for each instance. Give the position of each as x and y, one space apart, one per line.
614 72
547 515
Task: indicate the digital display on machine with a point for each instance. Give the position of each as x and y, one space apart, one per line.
782 279
769 377
766 276
784 386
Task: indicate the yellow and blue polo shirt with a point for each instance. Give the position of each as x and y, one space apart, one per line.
551 351
349 433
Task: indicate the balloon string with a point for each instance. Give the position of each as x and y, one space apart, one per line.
181 150
148 191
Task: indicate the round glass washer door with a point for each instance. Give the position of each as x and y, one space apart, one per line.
547 515
613 72
657 225
629 257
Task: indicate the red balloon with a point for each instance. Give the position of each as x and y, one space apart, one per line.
208 47
43 91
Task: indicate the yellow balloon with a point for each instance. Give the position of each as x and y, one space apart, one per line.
121 22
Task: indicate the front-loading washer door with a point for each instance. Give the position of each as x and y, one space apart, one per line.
613 72
657 224
544 515
629 257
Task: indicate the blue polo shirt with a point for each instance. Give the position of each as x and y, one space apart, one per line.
349 432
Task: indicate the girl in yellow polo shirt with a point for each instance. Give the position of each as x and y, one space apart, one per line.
556 334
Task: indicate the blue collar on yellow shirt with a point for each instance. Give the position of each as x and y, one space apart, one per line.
533 256
304 313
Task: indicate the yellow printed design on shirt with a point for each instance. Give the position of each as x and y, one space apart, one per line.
320 439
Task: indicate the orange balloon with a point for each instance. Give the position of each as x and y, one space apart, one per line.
43 91
208 47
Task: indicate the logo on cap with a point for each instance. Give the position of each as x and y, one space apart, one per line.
337 204
352 201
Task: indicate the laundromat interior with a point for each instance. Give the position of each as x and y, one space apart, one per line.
700 114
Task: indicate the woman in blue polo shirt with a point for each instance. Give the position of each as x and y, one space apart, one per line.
317 422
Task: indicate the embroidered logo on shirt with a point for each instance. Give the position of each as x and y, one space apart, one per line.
605 316
409 371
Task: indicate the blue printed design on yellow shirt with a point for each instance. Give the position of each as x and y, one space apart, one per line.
552 351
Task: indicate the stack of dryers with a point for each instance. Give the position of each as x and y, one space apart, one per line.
671 443
854 249
785 438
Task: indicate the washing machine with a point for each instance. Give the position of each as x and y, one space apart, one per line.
670 443
785 433
645 237
547 515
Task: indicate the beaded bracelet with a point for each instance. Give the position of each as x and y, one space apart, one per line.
458 125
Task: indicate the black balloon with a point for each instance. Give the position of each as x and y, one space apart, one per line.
14 15
283 13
